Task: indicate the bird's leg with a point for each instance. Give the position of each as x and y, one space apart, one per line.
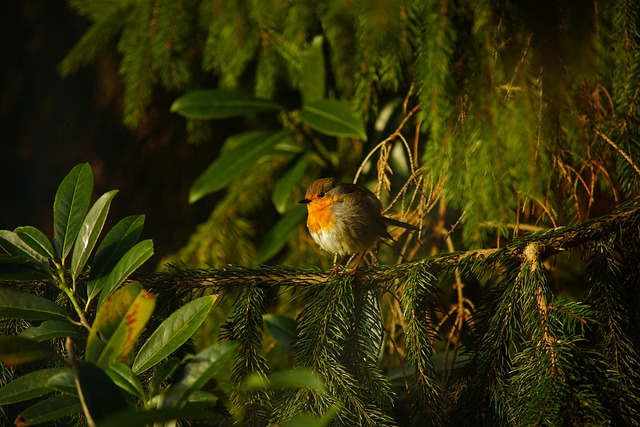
335 269
355 267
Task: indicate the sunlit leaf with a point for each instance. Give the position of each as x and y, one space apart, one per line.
305 420
174 331
118 324
130 261
333 117
122 237
241 153
15 246
16 351
277 237
28 386
89 232
219 104
70 206
36 240
16 304
297 378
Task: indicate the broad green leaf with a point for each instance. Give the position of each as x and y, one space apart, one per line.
52 329
196 372
16 351
14 245
70 206
28 386
50 409
89 232
21 268
64 382
294 379
122 237
219 104
174 331
118 324
313 72
123 377
151 416
98 394
16 304
282 329
36 240
241 152
130 261
333 117
305 420
277 237
162 374
202 399
282 195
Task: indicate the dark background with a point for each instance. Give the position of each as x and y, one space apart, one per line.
50 124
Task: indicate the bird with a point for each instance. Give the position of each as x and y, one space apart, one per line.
346 219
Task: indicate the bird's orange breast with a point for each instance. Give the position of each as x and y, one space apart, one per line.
321 216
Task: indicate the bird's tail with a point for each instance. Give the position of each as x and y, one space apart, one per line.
396 223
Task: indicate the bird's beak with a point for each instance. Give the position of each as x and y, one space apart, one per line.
305 201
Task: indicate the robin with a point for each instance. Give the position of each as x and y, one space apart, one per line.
346 219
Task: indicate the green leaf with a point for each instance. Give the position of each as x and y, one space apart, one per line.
50 409
202 399
240 153
100 395
305 420
294 379
149 417
313 72
89 232
16 304
21 268
16 351
174 331
282 195
70 206
220 104
118 324
134 258
122 237
28 386
282 329
36 240
196 373
15 246
52 329
333 117
277 237
162 373
63 382
123 377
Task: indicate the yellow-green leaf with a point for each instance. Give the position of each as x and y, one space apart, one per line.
118 324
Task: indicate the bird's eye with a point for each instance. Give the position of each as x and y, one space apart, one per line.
321 194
